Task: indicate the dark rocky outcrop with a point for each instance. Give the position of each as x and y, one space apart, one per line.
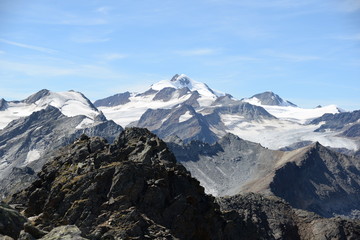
339 121
312 178
353 131
133 188
3 104
322 181
37 96
273 218
164 94
11 222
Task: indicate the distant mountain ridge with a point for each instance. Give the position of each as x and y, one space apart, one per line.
40 123
261 118
271 99
322 180
134 189
70 103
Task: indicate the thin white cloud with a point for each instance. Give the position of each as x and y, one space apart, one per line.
43 70
89 39
266 3
291 57
22 45
103 10
355 37
83 21
197 52
113 56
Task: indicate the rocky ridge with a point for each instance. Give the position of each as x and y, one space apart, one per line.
322 181
134 189
26 142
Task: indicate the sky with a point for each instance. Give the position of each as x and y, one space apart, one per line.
308 51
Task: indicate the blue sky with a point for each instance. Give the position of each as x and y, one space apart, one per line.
306 51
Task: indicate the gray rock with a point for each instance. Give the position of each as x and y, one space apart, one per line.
115 100
272 99
339 121
69 232
165 94
3 104
26 142
322 180
11 222
131 189
35 97
167 122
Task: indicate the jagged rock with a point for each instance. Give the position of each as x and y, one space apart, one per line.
3 104
69 232
11 222
115 100
26 142
273 218
133 188
164 94
36 96
339 121
182 121
322 180
2 237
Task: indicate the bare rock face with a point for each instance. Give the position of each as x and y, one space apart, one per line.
321 181
133 188
27 143
11 222
273 218
64 232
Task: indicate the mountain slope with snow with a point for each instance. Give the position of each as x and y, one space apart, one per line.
165 94
286 110
270 99
26 142
70 104
261 118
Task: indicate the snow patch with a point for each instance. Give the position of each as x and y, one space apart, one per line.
69 103
186 116
294 114
85 123
278 133
32 155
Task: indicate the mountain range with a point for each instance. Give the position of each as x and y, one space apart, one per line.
135 189
262 144
170 106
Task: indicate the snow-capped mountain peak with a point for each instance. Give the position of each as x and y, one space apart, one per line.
286 110
269 98
183 81
70 104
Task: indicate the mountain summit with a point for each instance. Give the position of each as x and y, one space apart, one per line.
271 99
70 103
183 81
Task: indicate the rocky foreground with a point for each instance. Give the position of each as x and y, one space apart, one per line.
135 189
